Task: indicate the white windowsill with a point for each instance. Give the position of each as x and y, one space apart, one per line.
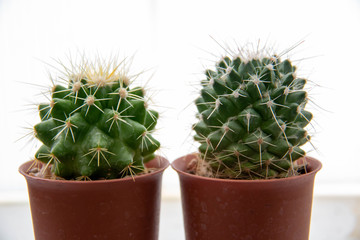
323 189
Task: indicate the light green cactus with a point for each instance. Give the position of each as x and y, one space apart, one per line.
251 119
98 126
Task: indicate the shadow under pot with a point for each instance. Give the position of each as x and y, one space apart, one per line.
275 209
123 208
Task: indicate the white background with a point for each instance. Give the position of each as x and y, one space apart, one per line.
173 38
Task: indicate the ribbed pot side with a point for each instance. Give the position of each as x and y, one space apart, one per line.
101 209
278 209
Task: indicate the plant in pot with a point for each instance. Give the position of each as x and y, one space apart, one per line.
251 178
96 175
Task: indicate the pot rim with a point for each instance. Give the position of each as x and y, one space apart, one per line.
163 162
316 166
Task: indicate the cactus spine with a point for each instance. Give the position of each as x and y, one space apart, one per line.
252 116
97 126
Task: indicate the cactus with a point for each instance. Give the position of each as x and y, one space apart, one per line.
96 126
252 116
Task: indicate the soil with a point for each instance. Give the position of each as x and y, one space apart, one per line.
41 170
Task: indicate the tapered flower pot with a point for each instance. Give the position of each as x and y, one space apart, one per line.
278 209
102 209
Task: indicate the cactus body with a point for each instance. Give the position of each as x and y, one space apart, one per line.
97 127
251 119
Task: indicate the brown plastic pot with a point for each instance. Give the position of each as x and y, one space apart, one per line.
101 209
214 209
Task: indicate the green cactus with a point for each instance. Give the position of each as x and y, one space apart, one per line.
251 119
97 126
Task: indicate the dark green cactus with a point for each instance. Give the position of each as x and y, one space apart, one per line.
251 119
96 127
